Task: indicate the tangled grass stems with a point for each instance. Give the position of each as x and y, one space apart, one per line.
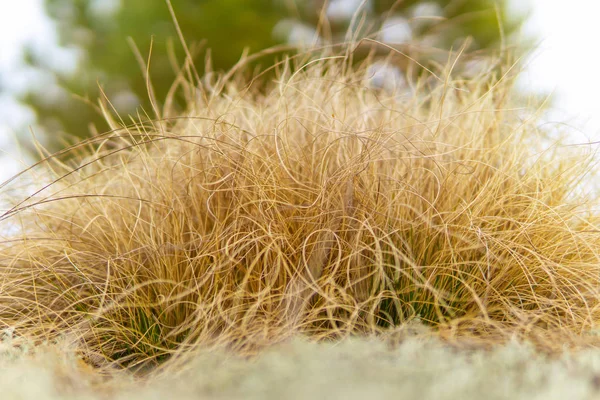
320 205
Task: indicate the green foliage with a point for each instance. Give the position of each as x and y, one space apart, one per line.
108 58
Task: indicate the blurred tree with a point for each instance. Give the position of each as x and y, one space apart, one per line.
98 29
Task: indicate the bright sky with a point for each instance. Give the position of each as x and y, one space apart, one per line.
567 62
20 21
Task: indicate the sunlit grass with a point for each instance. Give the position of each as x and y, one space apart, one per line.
319 206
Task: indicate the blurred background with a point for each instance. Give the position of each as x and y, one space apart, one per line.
54 54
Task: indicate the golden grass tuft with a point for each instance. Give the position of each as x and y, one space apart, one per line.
318 205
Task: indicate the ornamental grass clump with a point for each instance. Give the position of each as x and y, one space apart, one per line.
312 204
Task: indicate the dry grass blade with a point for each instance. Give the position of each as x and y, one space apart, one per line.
319 205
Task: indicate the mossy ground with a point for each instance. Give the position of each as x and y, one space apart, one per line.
359 368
